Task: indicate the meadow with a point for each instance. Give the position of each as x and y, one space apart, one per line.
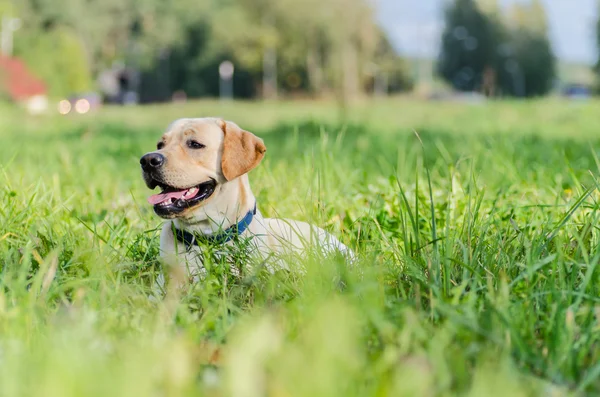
476 228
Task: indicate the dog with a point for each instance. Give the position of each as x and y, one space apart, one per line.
201 166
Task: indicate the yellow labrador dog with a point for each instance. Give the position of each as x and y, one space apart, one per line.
201 166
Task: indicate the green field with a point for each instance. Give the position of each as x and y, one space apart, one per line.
476 228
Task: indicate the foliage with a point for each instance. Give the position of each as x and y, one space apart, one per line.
469 44
597 66
477 244
531 49
178 45
536 66
531 16
59 58
514 56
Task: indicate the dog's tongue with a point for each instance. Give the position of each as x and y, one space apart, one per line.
162 197
185 194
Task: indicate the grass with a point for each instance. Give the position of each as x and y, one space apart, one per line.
476 228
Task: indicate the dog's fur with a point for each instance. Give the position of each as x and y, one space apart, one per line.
228 155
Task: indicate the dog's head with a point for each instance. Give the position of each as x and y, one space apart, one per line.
193 159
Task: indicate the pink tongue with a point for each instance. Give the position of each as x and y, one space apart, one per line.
162 197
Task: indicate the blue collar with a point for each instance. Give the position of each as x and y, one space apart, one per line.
190 239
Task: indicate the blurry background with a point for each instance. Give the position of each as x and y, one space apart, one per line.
84 52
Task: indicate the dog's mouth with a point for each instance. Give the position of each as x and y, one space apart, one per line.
171 200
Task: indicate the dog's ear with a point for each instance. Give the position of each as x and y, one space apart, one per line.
242 150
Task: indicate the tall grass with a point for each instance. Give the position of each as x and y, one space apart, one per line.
475 227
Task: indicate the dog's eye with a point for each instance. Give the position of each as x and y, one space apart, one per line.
195 145
160 145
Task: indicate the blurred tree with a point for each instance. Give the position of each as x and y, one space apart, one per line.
532 69
480 53
301 40
347 56
597 66
194 65
351 37
391 72
109 27
248 29
530 16
529 61
178 44
8 9
489 7
470 44
304 42
101 25
58 57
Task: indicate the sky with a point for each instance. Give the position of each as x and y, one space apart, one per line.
415 26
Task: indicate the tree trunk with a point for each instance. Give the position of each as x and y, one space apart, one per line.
489 82
269 63
314 70
350 78
270 74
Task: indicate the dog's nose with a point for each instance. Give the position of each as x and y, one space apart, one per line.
152 161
